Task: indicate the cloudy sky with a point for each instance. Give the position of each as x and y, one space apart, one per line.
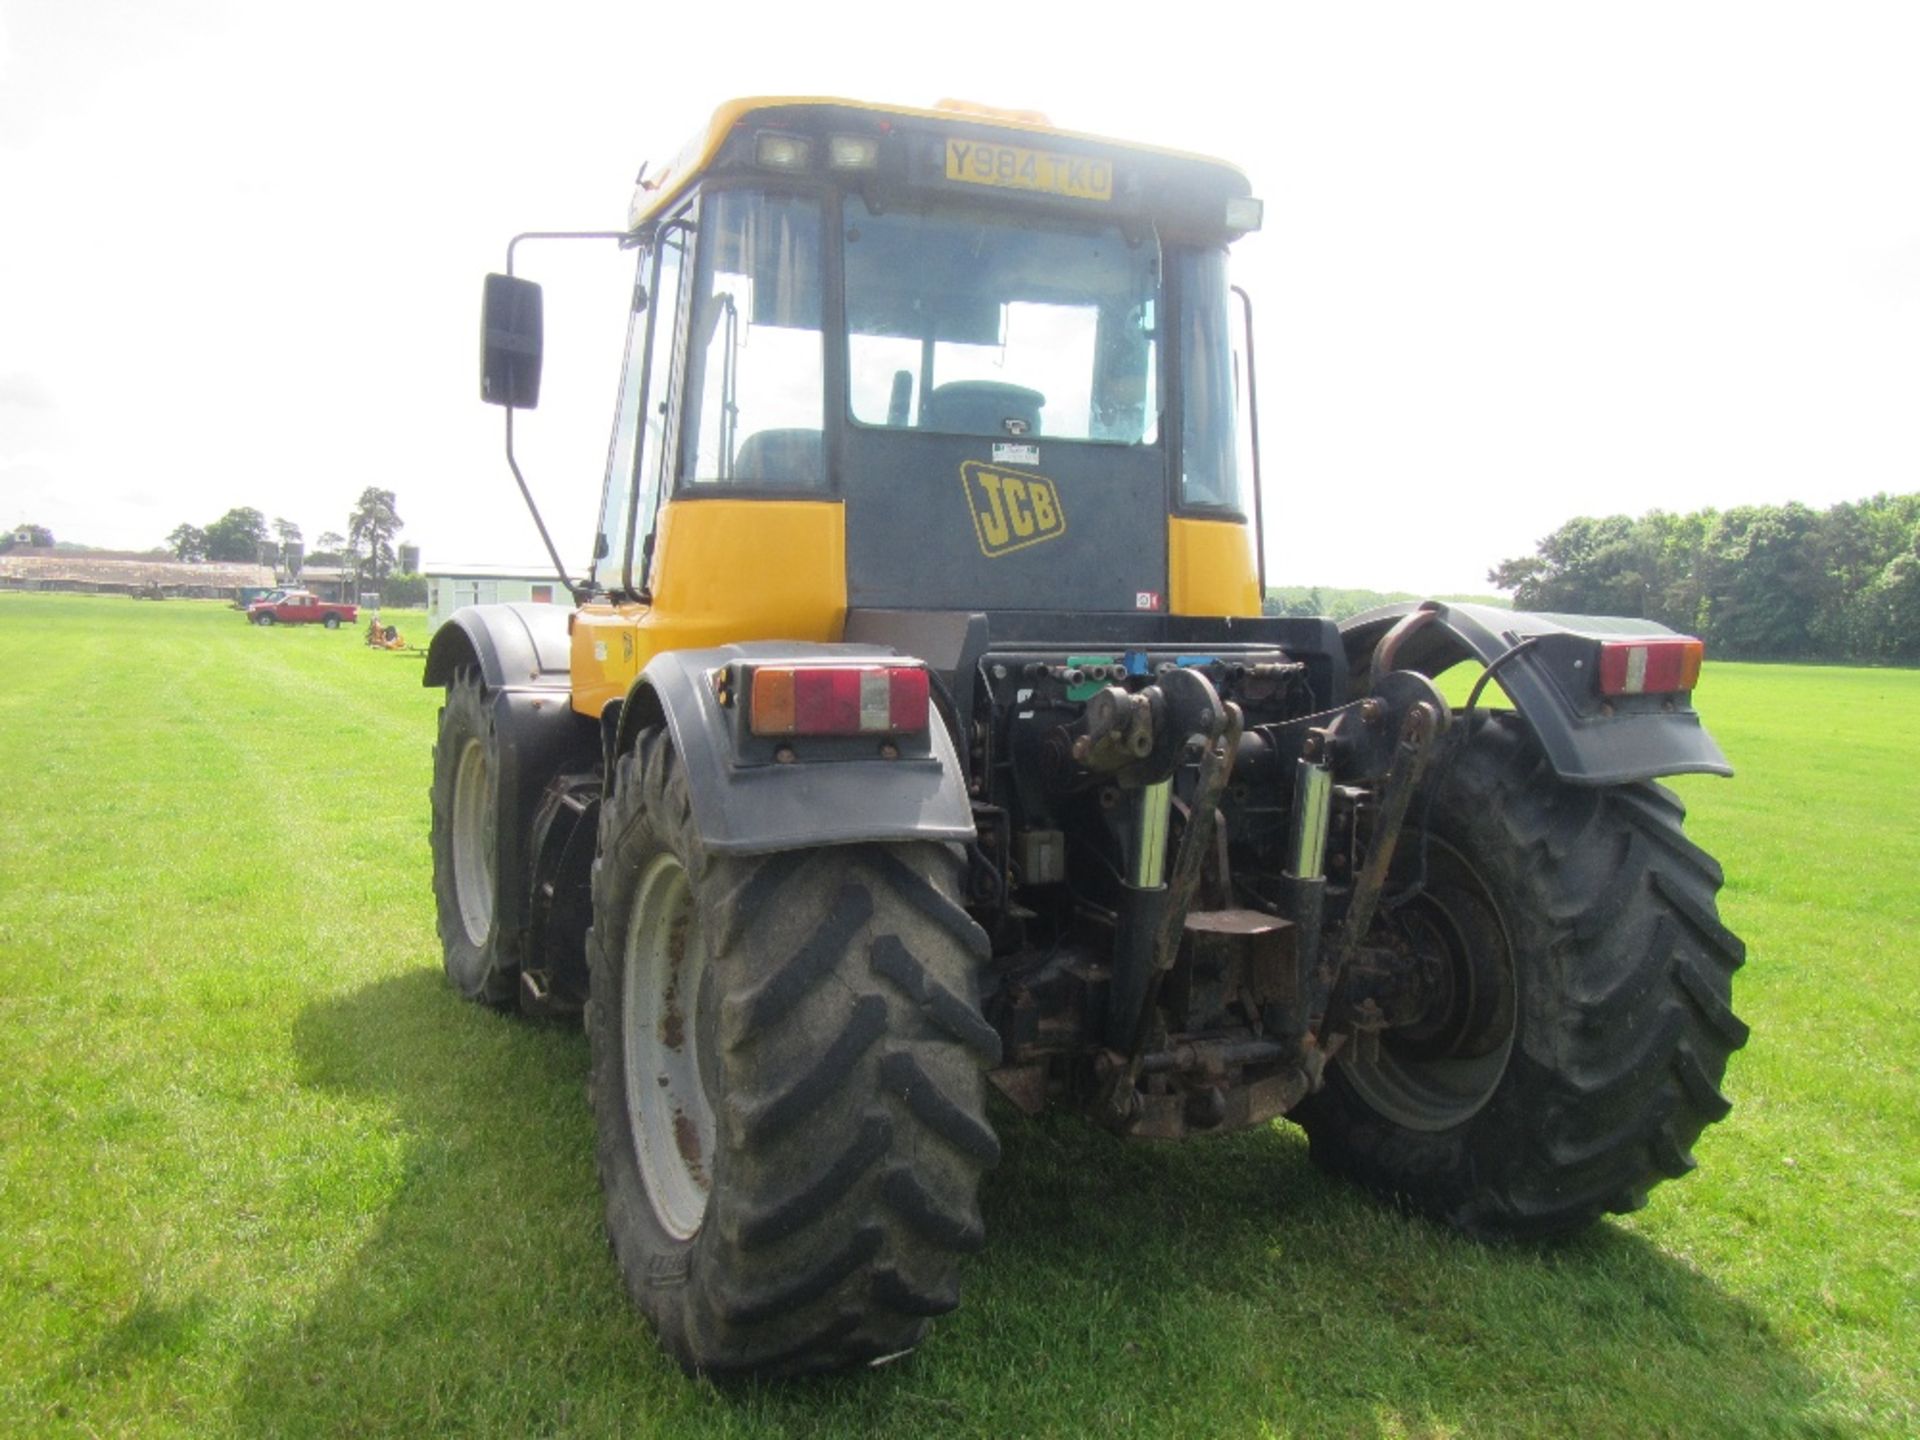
1521 261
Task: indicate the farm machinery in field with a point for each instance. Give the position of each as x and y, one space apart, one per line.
917 729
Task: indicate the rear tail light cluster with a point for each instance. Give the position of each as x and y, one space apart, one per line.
1650 667
838 700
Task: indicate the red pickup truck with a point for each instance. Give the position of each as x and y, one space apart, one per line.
301 607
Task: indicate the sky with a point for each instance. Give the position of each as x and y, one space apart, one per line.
1521 262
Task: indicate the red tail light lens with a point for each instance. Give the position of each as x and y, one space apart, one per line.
838 700
1650 667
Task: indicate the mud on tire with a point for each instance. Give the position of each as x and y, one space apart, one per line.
1618 1025
814 1216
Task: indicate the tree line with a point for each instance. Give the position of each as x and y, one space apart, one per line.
30 537
1754 582
243 532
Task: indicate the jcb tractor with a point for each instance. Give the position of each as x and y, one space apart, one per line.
917 728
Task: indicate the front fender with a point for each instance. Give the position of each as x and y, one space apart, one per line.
744 806
516 647
1587 740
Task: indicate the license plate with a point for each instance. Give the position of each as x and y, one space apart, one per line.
1009 167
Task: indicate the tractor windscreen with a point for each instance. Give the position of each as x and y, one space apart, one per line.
970 323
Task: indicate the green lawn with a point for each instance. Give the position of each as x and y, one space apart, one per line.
262 1174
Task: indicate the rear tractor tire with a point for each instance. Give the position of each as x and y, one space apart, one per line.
466 781
786 1084
1586 1018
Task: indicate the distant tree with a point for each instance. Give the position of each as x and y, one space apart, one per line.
1885 618
328 548
403 588
1858 542
1673 544
1608 566
237 535
1522 573
1310 605
35 536
1757 580
188 542
370 531
289 556
1762 580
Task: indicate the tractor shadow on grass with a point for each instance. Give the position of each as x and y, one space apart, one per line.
1217 1287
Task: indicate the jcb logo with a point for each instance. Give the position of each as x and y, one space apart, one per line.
1011 510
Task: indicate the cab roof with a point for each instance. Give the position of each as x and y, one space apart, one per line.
703 152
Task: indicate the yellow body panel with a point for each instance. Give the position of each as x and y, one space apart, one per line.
1210 568
724 570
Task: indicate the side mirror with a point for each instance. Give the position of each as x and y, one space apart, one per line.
510 330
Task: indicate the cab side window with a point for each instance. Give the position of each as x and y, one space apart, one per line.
756 361
640 425
662 390
1209 451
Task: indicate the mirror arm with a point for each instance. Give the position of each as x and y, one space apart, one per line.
564 235
577 591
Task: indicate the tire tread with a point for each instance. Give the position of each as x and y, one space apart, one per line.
851 1116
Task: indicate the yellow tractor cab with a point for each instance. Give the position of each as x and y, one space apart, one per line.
918 359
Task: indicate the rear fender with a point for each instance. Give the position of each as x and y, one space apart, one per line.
745 805
1587 739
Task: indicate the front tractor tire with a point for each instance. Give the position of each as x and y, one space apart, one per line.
465 842
786 1083
1588 1022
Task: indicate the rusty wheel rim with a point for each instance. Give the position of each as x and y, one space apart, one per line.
1420 1080
664 963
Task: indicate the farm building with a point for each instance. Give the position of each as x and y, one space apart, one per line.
330 582
450 587
110 573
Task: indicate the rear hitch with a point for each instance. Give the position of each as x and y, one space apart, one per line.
1154 916
1421 718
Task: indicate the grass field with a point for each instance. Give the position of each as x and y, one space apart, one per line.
262 1174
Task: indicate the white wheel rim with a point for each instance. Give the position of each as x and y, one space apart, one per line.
663 963
473 841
